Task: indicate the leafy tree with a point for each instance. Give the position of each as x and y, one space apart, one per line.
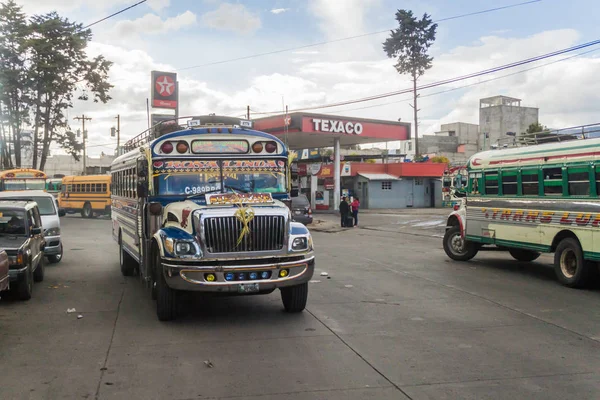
440 160
43 64
409 44
61 66
14 99
536 127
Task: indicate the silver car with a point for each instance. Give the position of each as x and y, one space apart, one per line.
50 214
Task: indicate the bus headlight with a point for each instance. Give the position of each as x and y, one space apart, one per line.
300 243
185 248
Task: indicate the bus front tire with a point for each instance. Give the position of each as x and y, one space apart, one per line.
294 298
456 247
126 262
87 212
166 298
569 265
524 255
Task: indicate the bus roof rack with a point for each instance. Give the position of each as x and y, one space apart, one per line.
174 125
581 132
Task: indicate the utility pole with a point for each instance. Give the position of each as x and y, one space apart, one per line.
248 113
83 118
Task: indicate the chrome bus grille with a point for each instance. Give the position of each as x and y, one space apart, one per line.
267 233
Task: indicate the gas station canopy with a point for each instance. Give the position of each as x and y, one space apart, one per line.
304 130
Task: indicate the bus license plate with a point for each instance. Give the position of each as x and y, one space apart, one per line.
248 288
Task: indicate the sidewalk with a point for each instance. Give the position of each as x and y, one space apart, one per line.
395 211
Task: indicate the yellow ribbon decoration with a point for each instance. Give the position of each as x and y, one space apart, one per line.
244 214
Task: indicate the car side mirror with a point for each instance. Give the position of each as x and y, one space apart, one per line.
36 231
61 212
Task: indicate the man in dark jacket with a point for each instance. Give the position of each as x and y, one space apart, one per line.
344 210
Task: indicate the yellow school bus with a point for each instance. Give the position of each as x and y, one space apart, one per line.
22 179
87 194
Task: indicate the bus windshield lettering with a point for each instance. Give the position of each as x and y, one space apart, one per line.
258 176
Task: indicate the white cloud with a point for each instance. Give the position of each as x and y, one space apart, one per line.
152 23
279 10
232 17
158 5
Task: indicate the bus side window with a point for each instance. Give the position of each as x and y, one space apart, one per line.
509 183
553 181
491 182
530 182
597 180
579 181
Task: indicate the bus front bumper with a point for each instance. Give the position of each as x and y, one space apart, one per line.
194 278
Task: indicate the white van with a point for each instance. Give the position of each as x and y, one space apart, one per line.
50 214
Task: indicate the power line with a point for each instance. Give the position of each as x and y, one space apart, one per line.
350 37
114 14
447 81
468 85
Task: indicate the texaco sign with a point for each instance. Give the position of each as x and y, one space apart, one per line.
164 89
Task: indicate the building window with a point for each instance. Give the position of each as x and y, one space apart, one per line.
386 185
418 182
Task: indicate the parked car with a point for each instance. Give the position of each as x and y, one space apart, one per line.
21 235
50 213
301 211
4 278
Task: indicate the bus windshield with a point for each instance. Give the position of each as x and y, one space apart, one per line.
259 176
24 184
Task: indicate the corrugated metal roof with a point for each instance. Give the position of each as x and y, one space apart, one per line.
379 177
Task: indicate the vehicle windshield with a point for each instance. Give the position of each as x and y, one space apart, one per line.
258 176
300 201
45 204
12 223
24 184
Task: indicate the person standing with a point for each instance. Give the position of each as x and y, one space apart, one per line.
355 205
344 211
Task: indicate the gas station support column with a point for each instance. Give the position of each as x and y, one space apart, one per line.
336 174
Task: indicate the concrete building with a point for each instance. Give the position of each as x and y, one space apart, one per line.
502 116
456 141
66 165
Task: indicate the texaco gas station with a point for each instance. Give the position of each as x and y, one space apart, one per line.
308 130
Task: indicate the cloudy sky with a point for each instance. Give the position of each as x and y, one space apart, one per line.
191 37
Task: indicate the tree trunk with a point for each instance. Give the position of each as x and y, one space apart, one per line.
16 129
416 111
47 135
37 129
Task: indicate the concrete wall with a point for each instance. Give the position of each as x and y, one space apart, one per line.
498 120
404 193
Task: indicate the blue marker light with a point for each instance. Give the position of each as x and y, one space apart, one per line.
229 276
253 275
241 276
264 274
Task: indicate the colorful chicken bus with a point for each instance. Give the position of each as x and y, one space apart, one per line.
533 199
206 209
22 179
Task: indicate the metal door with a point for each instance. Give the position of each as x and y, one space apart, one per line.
410 193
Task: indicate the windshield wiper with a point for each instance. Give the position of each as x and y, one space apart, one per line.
232 188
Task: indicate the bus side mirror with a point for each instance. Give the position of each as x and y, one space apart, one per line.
142 169
142 189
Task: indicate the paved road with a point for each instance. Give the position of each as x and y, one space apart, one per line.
396 320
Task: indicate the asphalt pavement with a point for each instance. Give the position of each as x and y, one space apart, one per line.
396 319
